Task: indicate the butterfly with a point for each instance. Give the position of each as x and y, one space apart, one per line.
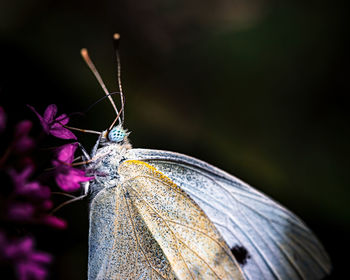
163 215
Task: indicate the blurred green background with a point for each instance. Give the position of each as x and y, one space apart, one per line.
257 88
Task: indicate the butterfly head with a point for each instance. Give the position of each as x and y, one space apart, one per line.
117 134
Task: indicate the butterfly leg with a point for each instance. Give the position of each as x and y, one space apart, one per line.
97 144
80 197
86 156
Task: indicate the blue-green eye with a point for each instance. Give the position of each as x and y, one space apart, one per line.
117 134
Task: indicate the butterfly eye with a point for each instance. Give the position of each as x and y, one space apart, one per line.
116 135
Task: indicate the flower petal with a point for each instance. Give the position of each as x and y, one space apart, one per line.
79 175
71 180
59 131
47 204
20 211
43 123
24 144
35 190
3 119
66 184
62 119
30 270
16 249
41 257
20 178
23 128
55 222
50 113
66 152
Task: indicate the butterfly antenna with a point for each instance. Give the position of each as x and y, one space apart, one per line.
116 41
118 117
85 55
99 100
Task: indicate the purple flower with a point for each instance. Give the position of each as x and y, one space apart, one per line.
37 197
35 190
22 141
52 125
20 178
25 201
55 222
67 177
20 211
28 263
31 189
2 119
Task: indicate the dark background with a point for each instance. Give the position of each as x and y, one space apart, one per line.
257 88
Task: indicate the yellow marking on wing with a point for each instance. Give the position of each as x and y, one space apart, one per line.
152 171
189 240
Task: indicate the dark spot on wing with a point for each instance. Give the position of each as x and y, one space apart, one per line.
241 254
126 194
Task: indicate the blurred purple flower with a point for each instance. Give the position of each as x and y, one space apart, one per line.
52 125
22 141
55 222
28 263
2 119
67 177
20 211
23 187
20 178
38 197
35 190
26 201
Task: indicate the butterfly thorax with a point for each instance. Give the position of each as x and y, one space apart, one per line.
104 165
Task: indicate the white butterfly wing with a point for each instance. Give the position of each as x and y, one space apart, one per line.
146 227
268 240
120 243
